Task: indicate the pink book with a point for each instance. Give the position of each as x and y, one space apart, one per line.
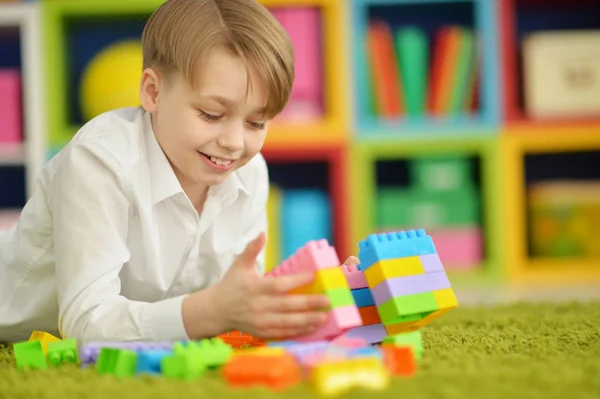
10 106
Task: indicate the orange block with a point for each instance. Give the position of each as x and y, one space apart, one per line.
276 372
399 360
369 315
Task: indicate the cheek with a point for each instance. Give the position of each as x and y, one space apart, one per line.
254 142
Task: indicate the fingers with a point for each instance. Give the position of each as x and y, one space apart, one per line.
298 303
248 257
283 284
352 260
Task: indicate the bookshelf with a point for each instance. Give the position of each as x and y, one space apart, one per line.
22 139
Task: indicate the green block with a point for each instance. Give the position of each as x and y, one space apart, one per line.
119 362
407 308
405 208
340 297
185 366
412 339
214 352
441 173
64 351
30 355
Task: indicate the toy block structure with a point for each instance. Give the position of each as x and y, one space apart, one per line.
320 258
407 279
44 337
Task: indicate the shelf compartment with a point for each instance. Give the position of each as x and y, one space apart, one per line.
521 150
75 31
323 169
476 16
518 19
365 157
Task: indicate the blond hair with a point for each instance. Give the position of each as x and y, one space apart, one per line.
180 33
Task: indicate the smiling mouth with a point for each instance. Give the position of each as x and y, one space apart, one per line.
218 161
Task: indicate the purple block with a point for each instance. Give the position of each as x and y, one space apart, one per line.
372 334
431 263
302 350
408 285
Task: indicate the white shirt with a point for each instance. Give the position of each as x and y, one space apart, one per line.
109 244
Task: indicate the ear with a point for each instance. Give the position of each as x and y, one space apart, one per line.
149 89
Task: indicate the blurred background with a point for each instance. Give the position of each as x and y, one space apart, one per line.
478 120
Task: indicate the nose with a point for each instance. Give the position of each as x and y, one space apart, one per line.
232 137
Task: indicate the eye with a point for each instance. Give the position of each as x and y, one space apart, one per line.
257 125
208 117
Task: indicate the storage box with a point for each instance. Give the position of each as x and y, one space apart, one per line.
561 72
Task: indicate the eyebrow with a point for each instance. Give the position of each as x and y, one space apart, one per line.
228 103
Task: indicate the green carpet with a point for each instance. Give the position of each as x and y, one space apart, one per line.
526 351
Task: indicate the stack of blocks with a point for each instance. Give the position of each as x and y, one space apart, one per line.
406 281
320 258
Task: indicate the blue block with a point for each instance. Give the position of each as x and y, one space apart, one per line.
282 344
401 244
148 361
363 297
368 351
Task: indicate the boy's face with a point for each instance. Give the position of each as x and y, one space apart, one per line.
209 131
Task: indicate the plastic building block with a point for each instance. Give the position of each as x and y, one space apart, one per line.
10 106
407 308
237 339
394 245
313 256
431 263
369 315
393 268
149 361
339 377
409 285
412 339
373 334
399 360
65 351
339 320
184 365
363 297
277 372
89 352
301 350
445 298
30 355
354 277
213 352
266 351
368 351
45 337
118 362
325 280
348 342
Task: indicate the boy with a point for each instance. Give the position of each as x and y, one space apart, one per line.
150 224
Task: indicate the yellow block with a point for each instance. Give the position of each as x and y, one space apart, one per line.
328 279
405 327
262 351
339 377
273 247
392 268
445 299
45 337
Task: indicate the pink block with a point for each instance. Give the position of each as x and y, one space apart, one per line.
10 106
339 320
349 342
459 248
313 256
303 27
356 278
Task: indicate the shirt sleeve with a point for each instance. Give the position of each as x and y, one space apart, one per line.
91 212
258 222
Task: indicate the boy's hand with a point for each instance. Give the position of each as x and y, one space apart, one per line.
260 306
352 260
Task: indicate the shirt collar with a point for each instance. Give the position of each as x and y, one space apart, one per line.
164 182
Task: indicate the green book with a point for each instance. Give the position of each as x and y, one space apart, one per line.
412 52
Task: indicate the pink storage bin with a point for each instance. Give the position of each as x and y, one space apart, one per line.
459 247
10 106
303 26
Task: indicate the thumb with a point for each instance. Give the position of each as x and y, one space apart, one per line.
248 257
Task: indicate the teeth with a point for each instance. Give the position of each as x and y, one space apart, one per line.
220 161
